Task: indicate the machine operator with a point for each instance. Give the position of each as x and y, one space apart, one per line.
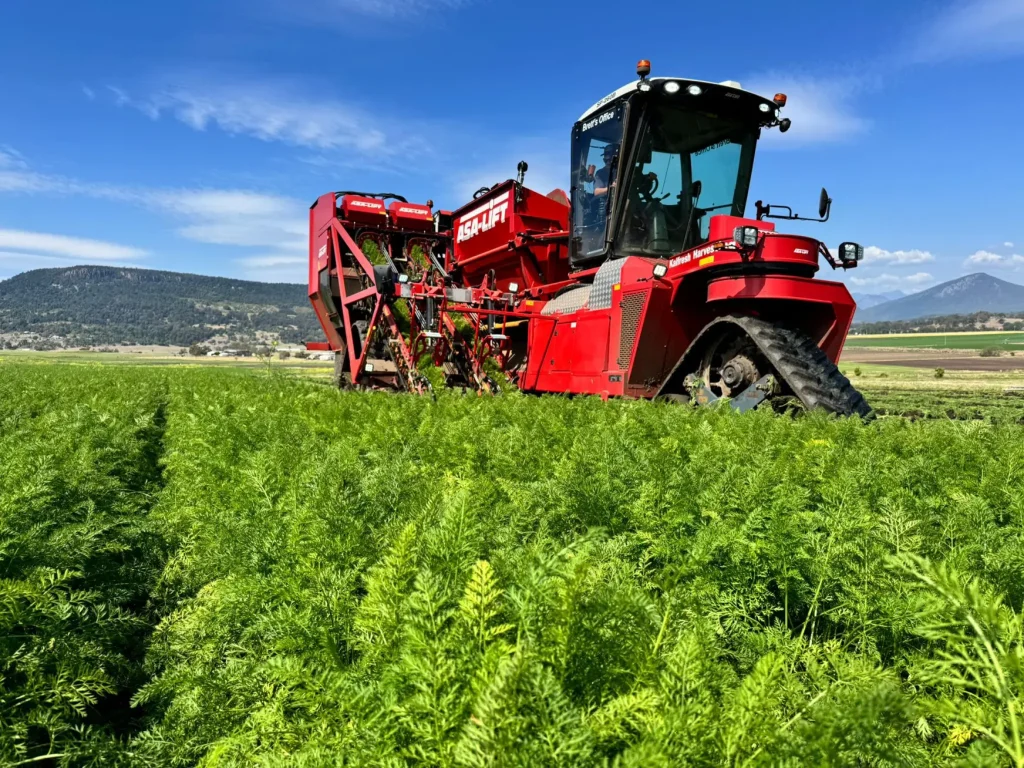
604 178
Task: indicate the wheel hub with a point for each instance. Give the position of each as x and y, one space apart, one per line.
739 373
730 366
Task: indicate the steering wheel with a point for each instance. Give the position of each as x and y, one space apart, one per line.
647 185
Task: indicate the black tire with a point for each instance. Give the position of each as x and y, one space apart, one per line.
803 369
807 371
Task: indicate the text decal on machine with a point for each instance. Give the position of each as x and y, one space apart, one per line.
687 258
483 218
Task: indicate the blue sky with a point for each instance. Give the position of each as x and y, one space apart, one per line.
193 135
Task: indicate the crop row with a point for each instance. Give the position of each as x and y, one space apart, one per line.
343 578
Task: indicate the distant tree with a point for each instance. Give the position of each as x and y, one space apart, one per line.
302 354
940 372
198 350
284 354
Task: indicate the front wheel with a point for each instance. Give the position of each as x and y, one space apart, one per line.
746 359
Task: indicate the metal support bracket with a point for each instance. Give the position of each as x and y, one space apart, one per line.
745 401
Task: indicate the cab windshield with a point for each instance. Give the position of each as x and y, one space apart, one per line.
665 209
596 145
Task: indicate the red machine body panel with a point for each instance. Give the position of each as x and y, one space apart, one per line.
411 216
518 233
826 307
364 210
631 345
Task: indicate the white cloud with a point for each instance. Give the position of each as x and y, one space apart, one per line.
62 246
340 12
989 259
887 280
89 93
275 268
21 250
120 97
391 9
984 257
874 253
1008 245
218 216
13 262
275 113
973 28
547 167
17 176
279 260
239 217
11 159
24 181
822 109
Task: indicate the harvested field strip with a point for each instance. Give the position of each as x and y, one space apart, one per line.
1004 340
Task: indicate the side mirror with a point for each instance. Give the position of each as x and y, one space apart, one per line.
824 203
695 189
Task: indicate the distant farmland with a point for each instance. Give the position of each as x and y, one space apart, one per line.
1009 341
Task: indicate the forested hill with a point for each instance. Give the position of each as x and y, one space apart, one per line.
89 305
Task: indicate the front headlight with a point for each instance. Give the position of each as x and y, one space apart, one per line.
851 252
745 237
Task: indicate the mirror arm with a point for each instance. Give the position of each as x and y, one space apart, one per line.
765 212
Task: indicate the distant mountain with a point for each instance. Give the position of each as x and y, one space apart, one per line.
868 300
963 296
113 305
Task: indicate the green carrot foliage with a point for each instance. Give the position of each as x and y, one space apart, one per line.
207 567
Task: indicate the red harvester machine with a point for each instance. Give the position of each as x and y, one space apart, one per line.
645 281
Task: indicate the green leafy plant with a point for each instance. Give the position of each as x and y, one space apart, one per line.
254 570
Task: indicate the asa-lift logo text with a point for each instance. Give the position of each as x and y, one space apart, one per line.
484 218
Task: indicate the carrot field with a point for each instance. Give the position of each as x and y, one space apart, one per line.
241 568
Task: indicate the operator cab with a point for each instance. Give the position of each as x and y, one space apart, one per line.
653 161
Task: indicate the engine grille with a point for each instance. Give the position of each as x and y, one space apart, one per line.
632 308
